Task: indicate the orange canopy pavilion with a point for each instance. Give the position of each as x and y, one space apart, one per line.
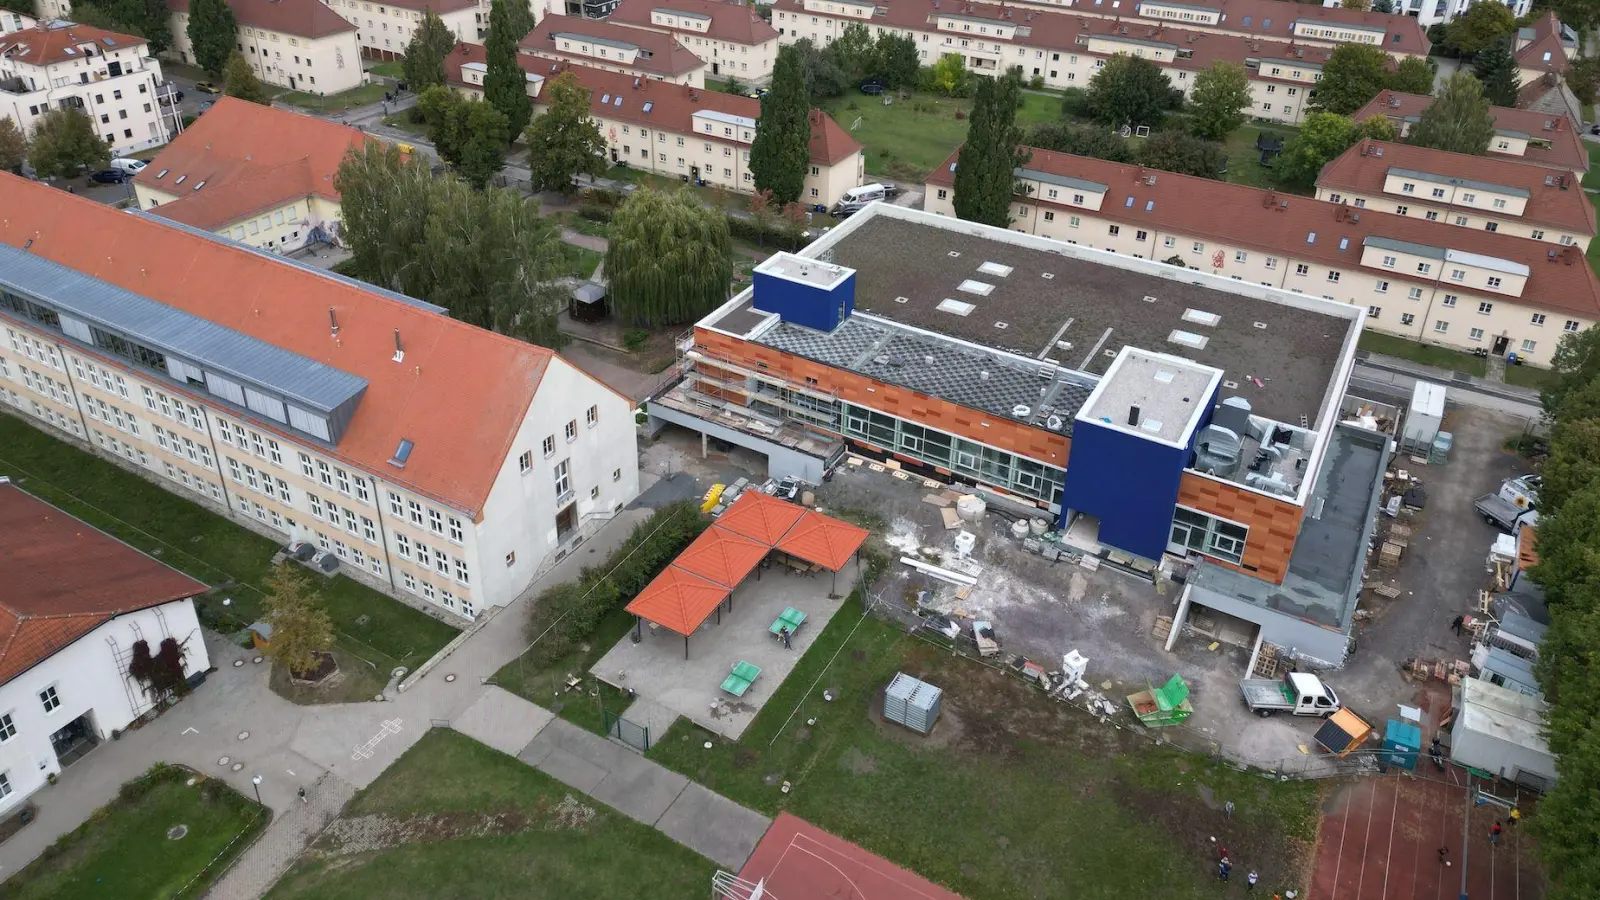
705 574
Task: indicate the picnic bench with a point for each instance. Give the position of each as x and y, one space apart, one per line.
791 619
739 680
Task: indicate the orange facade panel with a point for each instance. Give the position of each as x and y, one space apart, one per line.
1274 524
961 421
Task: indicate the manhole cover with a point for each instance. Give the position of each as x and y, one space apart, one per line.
257 660
362 620
450 677
244 735
237 663
177 832
236 767
224 760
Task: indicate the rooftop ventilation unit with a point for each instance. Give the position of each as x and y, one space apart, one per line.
1189 339
1149 299
955 306
1201 317
1163 376
902 299
1047 275
995 269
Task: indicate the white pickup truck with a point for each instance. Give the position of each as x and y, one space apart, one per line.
1298 693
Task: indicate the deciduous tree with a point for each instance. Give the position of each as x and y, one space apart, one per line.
853 52
1083 140
1458 120
1482 24
13 146
1221 96
1174 151
670 260
949 76
985 177
65 141
239 80
1129 90
301 629
897 61
823 77
505 84
782 147
431 42
1496 68
1353 74
1413 75
1323 136
213 33
468 134
565 140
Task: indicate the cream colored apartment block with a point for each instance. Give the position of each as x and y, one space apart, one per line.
750 63
1428 294
610 56
385 29
1483 206
1188 15
325 65
115 87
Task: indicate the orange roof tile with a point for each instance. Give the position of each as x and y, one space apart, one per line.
722 556
730 21
1545 51
60 578
661 53
672 106
459 448
823 540
303 18
1566 150
678 600
760 517
1366 165
1280 223
53 42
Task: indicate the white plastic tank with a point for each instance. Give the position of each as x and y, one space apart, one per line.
1039 526
1019 528
1423 418
971 507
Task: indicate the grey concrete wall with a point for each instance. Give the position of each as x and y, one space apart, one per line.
1304 640
781 461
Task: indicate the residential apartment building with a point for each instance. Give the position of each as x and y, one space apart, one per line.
257 174
1526 135
74 603
730 38
111 77
1427 281
680 131
1127 400
298 44
437 461
635 52
1438 12
1544 53
1066 50
1495 194
384 29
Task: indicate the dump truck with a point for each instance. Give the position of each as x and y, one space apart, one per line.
1514 505
1298 693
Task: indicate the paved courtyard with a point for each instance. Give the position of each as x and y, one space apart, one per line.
655 667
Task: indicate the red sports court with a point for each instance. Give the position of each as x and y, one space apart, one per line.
1381 836
798 861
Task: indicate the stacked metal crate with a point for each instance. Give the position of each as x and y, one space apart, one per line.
912 702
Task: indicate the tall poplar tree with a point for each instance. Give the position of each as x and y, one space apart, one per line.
505 84
213 33
430 43
985 175
782 148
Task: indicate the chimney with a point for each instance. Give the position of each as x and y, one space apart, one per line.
333 322
399 349
1133 416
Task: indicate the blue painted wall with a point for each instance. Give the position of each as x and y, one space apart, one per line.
803 304
1128 483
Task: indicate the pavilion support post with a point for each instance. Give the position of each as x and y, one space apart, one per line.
686 646
638 627
719 613
705 451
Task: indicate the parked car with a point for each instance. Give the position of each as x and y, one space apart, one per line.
127 166
109 176
756 93
203 107
1595 128
206 87
168 96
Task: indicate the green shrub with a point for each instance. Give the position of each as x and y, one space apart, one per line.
634 338
1037 83
777 235
595 212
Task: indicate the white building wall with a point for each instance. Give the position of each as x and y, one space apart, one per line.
88 677
123 107
325 65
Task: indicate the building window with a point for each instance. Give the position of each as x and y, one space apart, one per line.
616 474
1494 281
8 729
549 446
592 416
396 509
1196 532
1441 326
563 477
1407 318
414 512
49 699
1485 308
1374 311
455 529
435 521
572 431
1571 326
511 559
1527 346
402 546
525 462
5 785
1450 300
1475 334
1302 269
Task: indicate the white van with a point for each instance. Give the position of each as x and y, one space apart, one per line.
130 166
861 196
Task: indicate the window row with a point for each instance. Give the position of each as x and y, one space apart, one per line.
1196 532
104 379
38 351
175 409
193 482
440 596
423 555
95 408
180 445
353 555
250 441
439 523
998 467
334 477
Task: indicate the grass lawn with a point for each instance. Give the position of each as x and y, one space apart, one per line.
543 684
1528 376
581 261
402 122
207 546
1427 354
1244 161
1011 796
1591 178
356 96
394 68
123 849
907 139
538 854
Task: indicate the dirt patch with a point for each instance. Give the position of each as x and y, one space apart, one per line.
361 834
326 667
743 757
857 763
730 708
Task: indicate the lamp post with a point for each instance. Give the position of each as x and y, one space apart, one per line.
255 781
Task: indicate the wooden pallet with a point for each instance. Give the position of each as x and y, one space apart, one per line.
1387 591
1163 628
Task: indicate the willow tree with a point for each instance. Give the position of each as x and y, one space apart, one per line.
670 259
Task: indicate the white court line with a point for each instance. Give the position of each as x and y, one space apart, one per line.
855 890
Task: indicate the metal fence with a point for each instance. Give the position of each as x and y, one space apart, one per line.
627 731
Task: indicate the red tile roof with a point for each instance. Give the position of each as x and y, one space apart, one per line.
61 578
721 556
250 158
672 105
459 447
1402 33
823 540
302 18
730 21
659 54
59 42
678 600
1061 31
1561 204
760 517
1566 150
1279 223
1546 40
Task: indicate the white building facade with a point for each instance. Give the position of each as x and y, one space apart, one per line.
110 77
